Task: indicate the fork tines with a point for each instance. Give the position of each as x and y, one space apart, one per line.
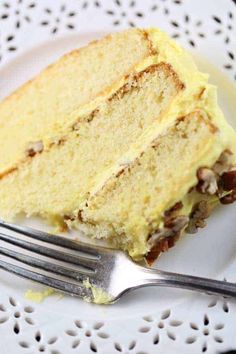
48 259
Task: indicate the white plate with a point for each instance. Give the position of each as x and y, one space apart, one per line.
211 252
146 321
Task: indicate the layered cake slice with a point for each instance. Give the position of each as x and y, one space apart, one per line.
123 140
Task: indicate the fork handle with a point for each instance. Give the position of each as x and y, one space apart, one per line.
175 280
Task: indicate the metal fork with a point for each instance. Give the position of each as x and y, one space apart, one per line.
84 270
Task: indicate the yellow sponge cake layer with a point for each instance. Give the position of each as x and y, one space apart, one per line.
131 204
96 143
122 139
45 107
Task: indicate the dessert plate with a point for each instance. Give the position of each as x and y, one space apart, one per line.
145 321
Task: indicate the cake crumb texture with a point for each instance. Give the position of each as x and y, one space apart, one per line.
112 137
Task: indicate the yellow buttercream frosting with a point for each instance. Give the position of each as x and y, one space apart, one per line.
110 137
39 296
99 295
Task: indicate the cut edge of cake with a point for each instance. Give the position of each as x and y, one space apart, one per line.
194 99
59 91
156 86
103 216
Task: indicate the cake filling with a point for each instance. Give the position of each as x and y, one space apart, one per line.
95 146
121 140
218 184
46 106
130 205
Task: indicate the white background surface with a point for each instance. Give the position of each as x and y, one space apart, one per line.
149 320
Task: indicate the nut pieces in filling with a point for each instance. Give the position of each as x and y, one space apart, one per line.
163 239
220 180
229 198
172 226
224 162
200 212
228 183
34 148
228 180
207 181
173 209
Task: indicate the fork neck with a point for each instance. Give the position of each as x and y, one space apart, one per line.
148 276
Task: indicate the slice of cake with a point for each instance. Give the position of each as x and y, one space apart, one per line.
123 140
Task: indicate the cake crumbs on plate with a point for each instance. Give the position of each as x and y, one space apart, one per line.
100 296
39 296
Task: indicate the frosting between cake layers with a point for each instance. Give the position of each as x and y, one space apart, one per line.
68 193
